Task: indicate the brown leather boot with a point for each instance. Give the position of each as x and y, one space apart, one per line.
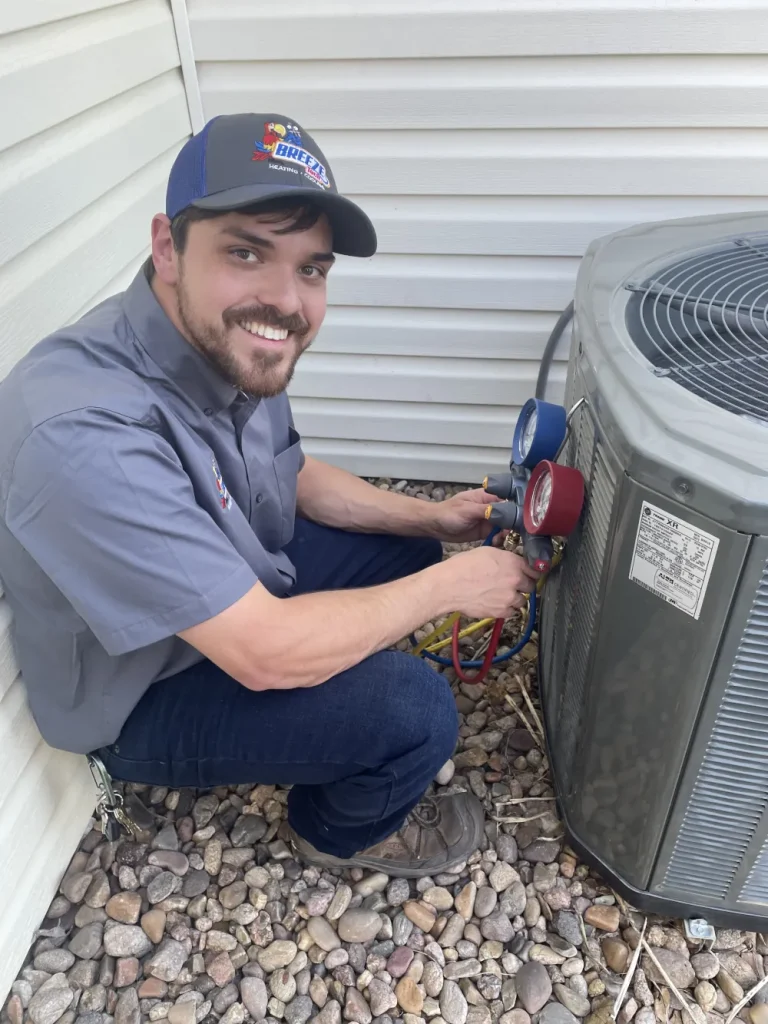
439 833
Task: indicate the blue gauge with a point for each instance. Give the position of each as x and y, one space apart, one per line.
539 432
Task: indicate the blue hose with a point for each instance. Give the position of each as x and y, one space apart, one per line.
499 657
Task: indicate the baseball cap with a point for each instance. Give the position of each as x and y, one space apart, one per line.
237 160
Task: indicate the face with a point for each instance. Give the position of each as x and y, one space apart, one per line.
250 299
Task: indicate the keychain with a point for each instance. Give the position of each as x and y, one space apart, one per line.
110 804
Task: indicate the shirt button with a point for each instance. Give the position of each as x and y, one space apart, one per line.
208 411
259 498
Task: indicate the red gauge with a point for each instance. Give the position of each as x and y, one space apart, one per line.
553 500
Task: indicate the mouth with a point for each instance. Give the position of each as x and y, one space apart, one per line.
273 336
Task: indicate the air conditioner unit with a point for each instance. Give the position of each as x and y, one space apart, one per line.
654 628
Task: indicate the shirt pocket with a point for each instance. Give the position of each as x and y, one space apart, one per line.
287 465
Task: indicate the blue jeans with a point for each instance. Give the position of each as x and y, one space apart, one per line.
359 751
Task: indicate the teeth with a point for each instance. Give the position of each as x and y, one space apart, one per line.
264 331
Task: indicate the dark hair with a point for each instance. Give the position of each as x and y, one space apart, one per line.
301 213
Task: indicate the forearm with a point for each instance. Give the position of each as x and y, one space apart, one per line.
320 635
334 497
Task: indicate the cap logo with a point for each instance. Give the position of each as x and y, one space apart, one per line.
283 142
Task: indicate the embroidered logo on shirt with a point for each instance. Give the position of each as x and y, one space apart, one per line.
225 498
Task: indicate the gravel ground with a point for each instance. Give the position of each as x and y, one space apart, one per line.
208 918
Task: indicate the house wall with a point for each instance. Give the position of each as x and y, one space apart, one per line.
94 111
489 142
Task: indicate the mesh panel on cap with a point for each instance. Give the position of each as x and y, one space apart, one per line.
186 181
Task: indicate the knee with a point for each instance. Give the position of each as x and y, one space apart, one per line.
427 706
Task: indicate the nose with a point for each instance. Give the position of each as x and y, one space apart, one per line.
278 287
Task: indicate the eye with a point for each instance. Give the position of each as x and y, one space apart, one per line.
313 272
245 255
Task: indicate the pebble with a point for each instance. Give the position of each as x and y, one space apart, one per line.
453 1005
485 901
356 1008
277 954
54 961
728 985
555 1013
51 1000
498 927
567 927
86 942
438 897
432 979
408 996
676 965
502 876
604 918
167 961
576 1004
422 916
124 907
617 954
359 925
253 992
533 986
705 965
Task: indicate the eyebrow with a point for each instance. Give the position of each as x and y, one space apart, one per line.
266 243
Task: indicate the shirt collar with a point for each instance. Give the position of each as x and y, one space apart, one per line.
175 356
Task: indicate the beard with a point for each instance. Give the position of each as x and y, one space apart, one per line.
258 374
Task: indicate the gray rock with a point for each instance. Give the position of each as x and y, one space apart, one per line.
330 1013
554 1013
485 901
432 979
166 839
195 883
676 965
127 1009
161 887
75 886
125 940
317 901
54 960
254 995
567 927
359 925
514 899
398 891
204 809
174 861
224 999
576 1004
168 961
341 900
533 986
86 942
402 927
739 969
498 927
453 1005
445 774
277 954
282 985
506 847
51 1000
233 895
299 1010
541 852
381 996
323 934
247 830
356 1008
502 876
706 965
462 969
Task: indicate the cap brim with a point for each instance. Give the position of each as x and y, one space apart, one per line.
353 232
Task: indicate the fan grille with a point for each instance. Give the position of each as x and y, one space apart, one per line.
703 323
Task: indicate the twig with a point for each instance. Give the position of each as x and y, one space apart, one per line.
524 720
743 1002
531 708
630 973
521 821
523 799
667 979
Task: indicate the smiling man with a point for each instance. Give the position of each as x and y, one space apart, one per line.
194 598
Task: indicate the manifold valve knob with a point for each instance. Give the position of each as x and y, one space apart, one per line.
507 515
500 485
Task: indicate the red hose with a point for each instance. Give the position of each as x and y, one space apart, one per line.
490 654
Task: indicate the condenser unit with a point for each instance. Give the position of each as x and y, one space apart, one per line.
654 628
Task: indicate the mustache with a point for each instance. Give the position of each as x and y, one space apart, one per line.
269 315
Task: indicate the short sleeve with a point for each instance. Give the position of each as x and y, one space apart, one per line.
107 511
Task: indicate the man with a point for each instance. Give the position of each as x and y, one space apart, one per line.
172 611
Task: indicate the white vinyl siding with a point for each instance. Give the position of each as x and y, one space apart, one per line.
93 113
489 143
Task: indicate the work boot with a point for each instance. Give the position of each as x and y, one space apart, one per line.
439 833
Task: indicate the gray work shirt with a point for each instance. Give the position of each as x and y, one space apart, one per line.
140 494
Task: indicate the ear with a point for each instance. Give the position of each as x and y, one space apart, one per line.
164 255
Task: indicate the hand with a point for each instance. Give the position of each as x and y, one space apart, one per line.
488 583
462 518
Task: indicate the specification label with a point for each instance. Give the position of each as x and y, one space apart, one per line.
672 559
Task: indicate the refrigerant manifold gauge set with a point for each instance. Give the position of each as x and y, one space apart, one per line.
540 499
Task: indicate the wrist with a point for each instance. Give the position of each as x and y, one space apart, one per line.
443 592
